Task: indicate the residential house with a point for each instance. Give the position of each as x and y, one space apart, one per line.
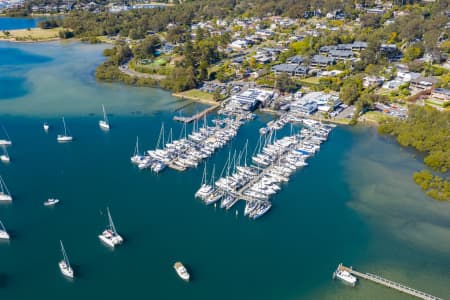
441 95
320 61
422 83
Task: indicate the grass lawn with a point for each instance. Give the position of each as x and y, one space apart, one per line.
375 116
196 94
34 34
310 80
431 102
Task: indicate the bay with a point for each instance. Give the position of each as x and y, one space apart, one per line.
355 203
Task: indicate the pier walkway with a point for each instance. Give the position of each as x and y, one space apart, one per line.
390 284
197 116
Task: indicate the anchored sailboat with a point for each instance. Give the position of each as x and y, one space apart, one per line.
5 195
6 141
3 233
64 137
64 265
104 124
110 236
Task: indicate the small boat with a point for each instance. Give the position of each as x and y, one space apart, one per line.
64 137
104 124
345 276
51 202
110 236
5 195
64 264
3 233
181 271
46 126
7 141
5 156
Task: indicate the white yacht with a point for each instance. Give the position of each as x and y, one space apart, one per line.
64 264
46 127
5 156
345 276
5 195
104 124
64 137
110 236
181 271
51 202
3 233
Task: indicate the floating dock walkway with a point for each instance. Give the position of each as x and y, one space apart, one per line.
197 116
390 284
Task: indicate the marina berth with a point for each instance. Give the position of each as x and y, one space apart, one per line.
275 160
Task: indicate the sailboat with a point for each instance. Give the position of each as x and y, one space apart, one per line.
5 195
5 156
136 158
205 189
6 141
64 264
110 236
64 137
3 233
46 126
104 124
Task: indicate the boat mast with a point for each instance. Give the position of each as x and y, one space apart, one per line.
65 129
136 148
204 176
6 133
4 187
111 223
65 257
105 117
161 134
2 226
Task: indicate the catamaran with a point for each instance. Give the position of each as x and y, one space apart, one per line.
5 156
6 141
110 236
64 264
104 124
3 233
5 195
64 137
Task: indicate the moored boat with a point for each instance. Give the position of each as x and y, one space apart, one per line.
64 264
181 271
51 202
110 236
64 137
3 233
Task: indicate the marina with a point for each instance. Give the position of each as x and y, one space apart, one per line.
274 161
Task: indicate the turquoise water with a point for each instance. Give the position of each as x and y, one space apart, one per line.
7 23
355 203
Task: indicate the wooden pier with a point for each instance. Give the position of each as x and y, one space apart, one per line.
197 116
388 283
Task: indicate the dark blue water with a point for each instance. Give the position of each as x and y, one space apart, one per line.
355 203
7 23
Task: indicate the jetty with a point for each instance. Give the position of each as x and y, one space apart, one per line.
197 116
389 283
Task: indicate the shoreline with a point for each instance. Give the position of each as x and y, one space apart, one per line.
193 98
